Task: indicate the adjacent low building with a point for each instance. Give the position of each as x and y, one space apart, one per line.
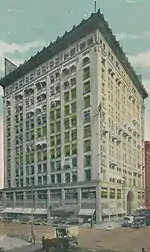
147 173
74 128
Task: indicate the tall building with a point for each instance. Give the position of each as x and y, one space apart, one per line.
74 128
147 173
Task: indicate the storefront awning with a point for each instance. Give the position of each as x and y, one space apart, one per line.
86 212
27 211
9 210
121 211
106 211
18 210
62 211
40 211
114 211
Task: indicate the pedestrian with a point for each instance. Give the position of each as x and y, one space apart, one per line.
43 243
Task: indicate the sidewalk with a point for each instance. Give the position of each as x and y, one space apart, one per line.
28 248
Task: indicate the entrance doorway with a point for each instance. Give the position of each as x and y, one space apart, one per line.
129 202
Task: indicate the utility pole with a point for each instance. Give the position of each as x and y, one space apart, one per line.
123 191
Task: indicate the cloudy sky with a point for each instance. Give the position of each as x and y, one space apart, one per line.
27 26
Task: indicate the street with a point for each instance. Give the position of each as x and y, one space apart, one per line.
121 239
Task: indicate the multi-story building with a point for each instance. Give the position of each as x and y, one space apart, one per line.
74 128
147 173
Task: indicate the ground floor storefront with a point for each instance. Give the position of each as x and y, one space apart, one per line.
87 202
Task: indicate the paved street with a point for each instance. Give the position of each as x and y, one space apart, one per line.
10 243
121 239
27 248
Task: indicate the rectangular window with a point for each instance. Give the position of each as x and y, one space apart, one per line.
39 132
73 81
87 116
44 155
87 160
58 176
87 175
66 85
52 116
52 153
66 55
57 61
86 73
74 162
73 135
73 93
58 165
57 88
58 139
139 195
73 121
66 110
86 61
58 126
86 87
73 107
58 113
39 156
52 78
53 179
45 168
52 166
72 51
87 102
118 193
66 96
74 148
74 177
58 152
67 123
87 131
90 41
52 141
67 177
51 64
39 180
112 193
67 150
38 72
87 145
104 193
82 45
52 128
43 69
44 130
67 136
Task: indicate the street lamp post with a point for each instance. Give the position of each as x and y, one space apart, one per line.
92 223
123 191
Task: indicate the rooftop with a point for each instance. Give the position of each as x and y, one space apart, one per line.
95 21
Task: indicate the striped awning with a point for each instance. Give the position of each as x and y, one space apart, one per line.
27 211
114 211
121 211
86 212
106 211
40 211
18 210
9 210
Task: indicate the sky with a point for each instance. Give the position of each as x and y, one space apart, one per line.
27 26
